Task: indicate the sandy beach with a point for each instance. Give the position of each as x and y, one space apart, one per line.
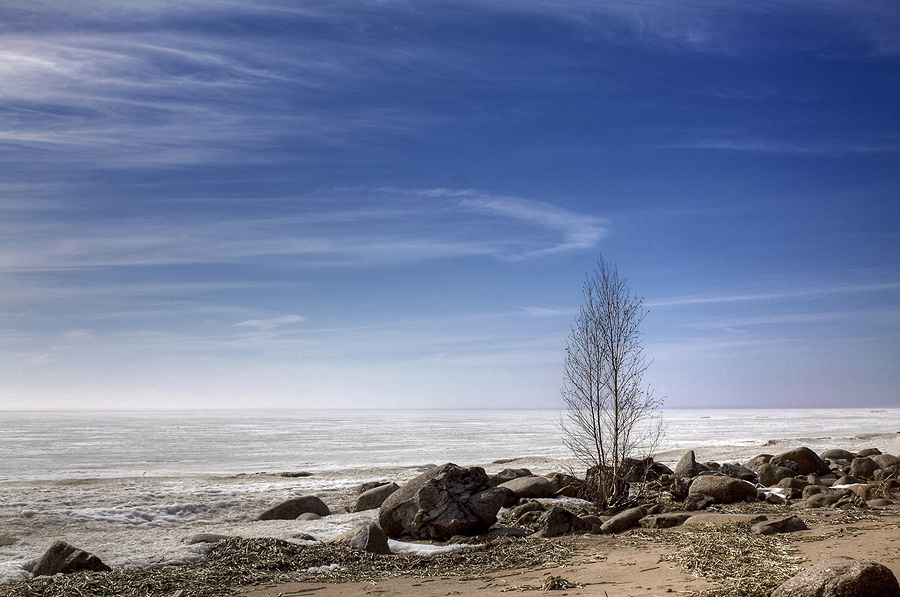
637 563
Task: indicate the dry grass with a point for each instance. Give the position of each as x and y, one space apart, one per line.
744 564
243 562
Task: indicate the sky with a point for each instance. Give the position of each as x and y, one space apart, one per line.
394 203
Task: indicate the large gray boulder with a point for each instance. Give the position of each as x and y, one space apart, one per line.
687 465
62 558
806 460
770 474
291 509
442 502
530 487
723 490
841 577
373 498
863 468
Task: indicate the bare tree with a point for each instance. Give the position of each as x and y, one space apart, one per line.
608 407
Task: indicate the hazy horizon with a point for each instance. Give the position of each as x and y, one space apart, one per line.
356 204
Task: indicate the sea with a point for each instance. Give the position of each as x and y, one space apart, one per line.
133 487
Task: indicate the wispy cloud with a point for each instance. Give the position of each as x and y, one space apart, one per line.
807 292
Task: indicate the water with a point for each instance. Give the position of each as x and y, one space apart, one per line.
131 486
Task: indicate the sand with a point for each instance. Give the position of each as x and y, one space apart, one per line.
632 565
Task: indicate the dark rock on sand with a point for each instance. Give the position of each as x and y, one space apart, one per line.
806 460
292 509
723 490
886 460
558 521
64 558
842 577
373 498
369 538
664 521
442 502
530 487
868 452
786 524
738 472
623 521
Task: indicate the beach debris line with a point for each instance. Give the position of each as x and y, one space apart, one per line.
237 563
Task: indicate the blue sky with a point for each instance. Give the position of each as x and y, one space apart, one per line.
393 204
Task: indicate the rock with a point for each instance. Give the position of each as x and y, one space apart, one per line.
846 480
679 487
530 487
562 480
806 460
530 506
364 487
309 516
868 452
720 520
664 521
770 474
863 468
811 490
792 483
7 540
291 509
820 500
698 501
557 521
879 503
370 538
304 537
757 461
373 498
623 521
774 499
838 454
885 460
508 474
646 469
295 474
65 559
738 472
205 538
787 524
841 577
442 502
723 490
687 465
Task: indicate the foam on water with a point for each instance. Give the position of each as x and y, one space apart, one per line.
98 480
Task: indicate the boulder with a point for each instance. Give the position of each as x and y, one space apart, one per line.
558 521
841 577
508 474
863 468
646 469
530 487
442 502
62 558
821 500
868 452
373 498
838 454
561 480
806 460
723 490
291 509
770 474
738 472
623 521
785 524
369 538
516 512
757 461
687 465
885 460
664 521
715 520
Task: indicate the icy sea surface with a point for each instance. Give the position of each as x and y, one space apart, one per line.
131 487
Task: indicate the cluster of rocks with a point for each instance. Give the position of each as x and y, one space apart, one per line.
836 478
